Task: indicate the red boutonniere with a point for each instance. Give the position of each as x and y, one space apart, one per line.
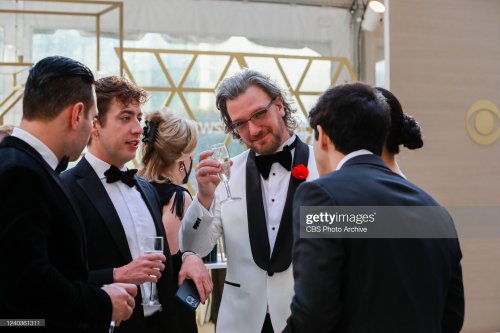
300 172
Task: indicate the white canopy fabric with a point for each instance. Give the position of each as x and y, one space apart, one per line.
324 29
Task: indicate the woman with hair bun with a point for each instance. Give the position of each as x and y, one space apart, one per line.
404 131
168 146
167 157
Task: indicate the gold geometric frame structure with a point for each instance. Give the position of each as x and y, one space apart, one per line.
17 91
108 7
240 58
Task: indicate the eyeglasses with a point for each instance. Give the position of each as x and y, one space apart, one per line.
256 118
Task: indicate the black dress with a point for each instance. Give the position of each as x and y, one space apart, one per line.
167 191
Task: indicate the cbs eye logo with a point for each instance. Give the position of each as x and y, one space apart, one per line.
483 122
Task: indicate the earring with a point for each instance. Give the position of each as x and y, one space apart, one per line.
181 168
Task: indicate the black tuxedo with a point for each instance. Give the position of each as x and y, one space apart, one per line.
42 247
107 243
373 285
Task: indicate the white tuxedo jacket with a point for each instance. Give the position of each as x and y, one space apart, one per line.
255 280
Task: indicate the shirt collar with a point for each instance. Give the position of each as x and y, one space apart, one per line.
47 154
99 166
351 155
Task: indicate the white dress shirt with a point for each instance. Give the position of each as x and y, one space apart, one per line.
274 191
134 216
351 155
47 154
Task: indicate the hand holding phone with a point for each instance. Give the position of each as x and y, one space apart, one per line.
188 294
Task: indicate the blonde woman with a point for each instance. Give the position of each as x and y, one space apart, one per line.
168 146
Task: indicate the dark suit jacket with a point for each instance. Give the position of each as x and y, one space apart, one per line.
42 248
373 285
107 242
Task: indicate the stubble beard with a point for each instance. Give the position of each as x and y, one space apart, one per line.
276 141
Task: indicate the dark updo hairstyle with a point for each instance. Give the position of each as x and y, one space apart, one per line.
404 128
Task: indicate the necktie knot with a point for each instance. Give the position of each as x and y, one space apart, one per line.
113 174
284 157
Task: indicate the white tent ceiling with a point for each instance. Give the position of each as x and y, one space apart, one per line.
320 24
322 3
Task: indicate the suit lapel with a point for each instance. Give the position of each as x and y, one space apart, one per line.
153 206
282 251
256 217
92 186
21 145
257 226
152 201
72 201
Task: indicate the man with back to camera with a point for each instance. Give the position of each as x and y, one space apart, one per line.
372 284
42 239
257 229
121 210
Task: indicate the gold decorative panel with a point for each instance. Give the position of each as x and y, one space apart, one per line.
94 9
297 86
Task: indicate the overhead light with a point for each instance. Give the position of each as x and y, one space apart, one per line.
372 15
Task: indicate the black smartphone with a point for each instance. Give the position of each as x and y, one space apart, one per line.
188 294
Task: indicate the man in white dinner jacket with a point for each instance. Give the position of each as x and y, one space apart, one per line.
257 229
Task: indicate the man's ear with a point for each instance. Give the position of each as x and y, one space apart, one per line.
281 107
323 138
95 128
77 115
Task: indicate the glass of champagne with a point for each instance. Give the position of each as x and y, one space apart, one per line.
153 245
221 154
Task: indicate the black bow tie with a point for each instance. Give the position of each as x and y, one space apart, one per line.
113 174
284 157
63 164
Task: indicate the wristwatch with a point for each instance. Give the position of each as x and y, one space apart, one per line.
189 253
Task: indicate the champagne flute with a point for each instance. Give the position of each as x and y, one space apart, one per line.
221 154
153 245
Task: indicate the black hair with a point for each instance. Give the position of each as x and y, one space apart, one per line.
354 116
55 83
404 128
